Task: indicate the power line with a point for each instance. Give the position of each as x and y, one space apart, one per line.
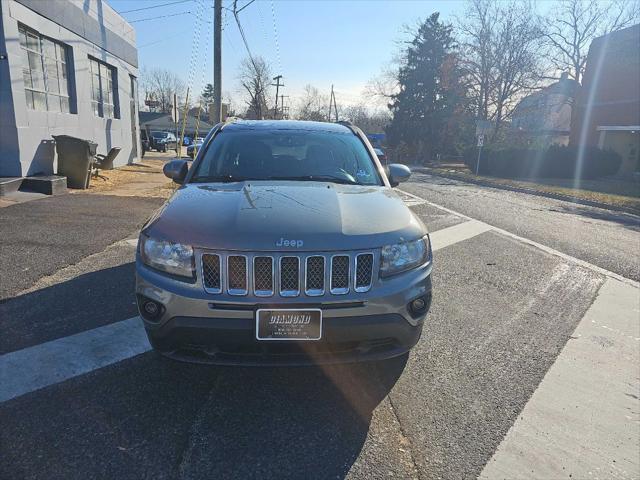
195 43
160 16
154 6
243 7
182 32
244 38
275 35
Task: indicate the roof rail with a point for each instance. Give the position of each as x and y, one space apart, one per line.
228 121
348 124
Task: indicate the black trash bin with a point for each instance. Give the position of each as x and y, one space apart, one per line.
75 156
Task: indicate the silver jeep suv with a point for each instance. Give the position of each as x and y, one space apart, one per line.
284 244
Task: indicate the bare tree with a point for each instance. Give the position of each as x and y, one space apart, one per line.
500 53
369 120
573 24
160 85
255 78
383 87
313 105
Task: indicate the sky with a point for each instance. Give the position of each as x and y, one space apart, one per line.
345 43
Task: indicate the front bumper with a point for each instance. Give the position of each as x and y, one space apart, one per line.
196 326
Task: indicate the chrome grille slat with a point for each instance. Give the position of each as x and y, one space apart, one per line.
364 272
211 269
314 276
263 276
237 275
289 276
340 266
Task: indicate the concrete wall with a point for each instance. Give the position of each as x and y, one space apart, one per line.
26 146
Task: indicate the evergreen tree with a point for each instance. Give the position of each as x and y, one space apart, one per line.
429 108
207 94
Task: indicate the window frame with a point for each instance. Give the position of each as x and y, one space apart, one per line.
62 66
98 105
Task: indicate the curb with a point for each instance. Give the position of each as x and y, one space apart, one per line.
532 191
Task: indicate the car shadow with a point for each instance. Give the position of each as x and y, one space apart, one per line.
151 417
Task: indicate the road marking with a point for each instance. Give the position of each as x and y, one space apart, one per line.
52 362
583 421
457 233
540 246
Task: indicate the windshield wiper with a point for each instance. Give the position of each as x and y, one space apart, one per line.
317 178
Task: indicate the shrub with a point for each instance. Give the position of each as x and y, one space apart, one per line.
470 158
553 162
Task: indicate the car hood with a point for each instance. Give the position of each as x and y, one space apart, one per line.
262 216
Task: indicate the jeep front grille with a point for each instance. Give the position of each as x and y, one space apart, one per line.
314 280
237 275
364 270
263 276
340 274
211 273
288 275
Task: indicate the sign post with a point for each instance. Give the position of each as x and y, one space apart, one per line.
480 144
175 115
482 127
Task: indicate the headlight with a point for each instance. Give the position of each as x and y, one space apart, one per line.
170 257
404 256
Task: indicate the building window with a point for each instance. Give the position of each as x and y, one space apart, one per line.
44 70
103 89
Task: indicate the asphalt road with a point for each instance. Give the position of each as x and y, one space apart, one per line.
502 312
602 237
40 237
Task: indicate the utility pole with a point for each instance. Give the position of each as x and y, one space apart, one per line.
217 61
282 97
277 85
332 104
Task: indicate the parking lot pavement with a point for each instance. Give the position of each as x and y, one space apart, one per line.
493 346
40 237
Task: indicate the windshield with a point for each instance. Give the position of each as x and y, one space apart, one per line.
287 155
159 134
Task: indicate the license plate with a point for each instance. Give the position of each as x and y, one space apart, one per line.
289 324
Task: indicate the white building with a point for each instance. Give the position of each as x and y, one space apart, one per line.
66 67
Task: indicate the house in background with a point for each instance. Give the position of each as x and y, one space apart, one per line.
66 67
544 118
607 112
157 121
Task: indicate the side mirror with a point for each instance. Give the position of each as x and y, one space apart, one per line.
176 170
398 173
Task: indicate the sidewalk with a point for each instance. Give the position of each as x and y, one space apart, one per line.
595 193
143 179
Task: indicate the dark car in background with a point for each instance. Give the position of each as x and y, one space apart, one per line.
381 155
163 141
196 145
